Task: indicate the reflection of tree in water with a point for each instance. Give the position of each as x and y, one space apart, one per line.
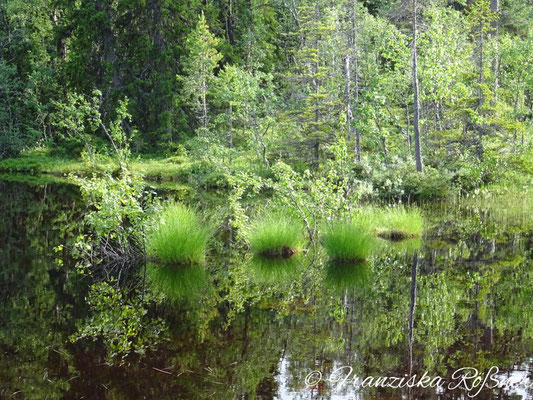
473 308
37 301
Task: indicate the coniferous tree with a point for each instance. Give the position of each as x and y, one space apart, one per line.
199 65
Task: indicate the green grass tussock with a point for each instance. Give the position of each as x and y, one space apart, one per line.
275 235
397 223
178 237
348 241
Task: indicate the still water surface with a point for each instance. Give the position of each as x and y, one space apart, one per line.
461 297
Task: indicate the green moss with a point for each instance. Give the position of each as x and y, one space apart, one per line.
275 235
178 237
348 241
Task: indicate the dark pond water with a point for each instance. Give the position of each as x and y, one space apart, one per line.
462 297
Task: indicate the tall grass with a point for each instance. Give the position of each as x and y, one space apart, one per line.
348 241
396 223
178 237
275 235
509 210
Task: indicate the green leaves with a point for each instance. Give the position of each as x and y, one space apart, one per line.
120 211
79 119
122 322
480 18
199 64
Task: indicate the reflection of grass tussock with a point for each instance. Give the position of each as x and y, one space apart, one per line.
408 246
396 223
348 241
178 238
275 235
275 270
340 276
177 282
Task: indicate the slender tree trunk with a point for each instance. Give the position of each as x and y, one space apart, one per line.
412 307
495 8
316 82
230 122
204 105
109 55
356 78
408 127
416 119
352 56
349 115
480 149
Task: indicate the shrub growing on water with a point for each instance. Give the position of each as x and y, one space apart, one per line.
348 241
178 237
275 236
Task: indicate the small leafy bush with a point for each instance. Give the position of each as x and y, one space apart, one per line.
401 182
119 211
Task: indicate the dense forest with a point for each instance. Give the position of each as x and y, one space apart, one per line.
391 87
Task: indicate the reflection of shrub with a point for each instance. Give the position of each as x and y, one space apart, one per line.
121 322
275 235
348 241
178 237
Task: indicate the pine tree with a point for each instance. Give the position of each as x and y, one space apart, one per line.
317 76
199 65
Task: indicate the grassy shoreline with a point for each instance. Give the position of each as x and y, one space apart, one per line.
41 163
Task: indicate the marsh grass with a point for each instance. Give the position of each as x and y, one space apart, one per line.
153 168
510 210
178 238
395 223
348 241
177 283
276 236
341 276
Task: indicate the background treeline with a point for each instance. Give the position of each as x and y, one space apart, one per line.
247 82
